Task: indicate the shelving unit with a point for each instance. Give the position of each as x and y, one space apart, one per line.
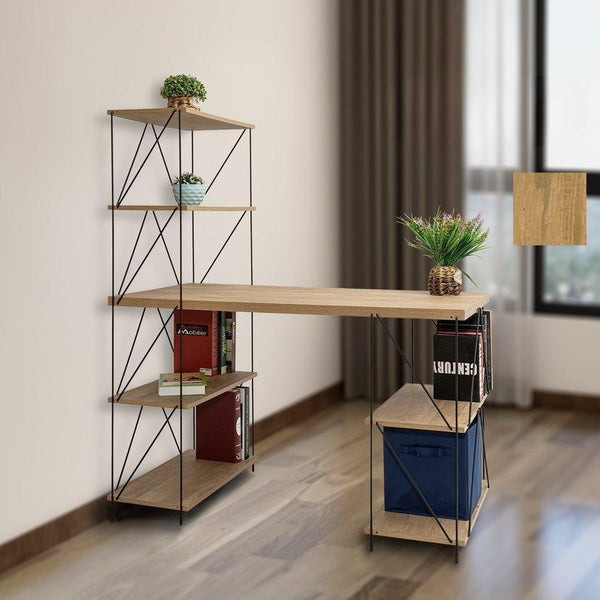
413 407
409 408
182 482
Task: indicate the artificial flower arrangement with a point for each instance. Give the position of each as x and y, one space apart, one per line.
446 239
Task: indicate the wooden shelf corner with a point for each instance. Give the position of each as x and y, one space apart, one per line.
423 529
160 486
147 394
410 408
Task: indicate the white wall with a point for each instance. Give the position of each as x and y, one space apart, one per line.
564 354
269 62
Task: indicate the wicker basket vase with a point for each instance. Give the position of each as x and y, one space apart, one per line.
181 101
445 280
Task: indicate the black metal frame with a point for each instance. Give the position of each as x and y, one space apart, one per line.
116 394
593 179
479 431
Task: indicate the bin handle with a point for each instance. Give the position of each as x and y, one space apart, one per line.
425 451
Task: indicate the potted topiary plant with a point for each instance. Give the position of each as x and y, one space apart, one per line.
192 187
446 239
183 90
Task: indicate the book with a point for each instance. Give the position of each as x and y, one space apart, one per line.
470 366
222 342
470 326
219 428
243 412
200 339
230 341
193 384
246 421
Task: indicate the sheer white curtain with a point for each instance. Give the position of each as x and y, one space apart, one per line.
498 141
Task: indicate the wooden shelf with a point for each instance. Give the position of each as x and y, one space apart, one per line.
191 118
201 207
423 529
310 301
201 478
410 408
147 394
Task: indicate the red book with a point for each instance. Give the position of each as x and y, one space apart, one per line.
200 329
219 428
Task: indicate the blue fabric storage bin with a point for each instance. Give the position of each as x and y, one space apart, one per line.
429 458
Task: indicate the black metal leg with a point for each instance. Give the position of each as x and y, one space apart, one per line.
372 394
485 464
112 316
412 350
456 437
193 231
478 426
180 328
251 280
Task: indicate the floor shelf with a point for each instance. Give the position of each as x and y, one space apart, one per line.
423 529
201 478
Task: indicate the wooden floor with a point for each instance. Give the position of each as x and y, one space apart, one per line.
293 529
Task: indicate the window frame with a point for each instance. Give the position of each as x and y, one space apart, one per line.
593 178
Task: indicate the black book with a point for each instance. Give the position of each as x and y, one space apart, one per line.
470 325
470 364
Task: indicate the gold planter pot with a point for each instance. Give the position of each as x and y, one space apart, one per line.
181 101
445 280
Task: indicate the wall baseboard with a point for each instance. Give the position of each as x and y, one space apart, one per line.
34 542
298 412
565 401
44 537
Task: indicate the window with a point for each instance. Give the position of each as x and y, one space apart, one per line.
567 279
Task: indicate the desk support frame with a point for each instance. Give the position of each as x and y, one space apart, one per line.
480 428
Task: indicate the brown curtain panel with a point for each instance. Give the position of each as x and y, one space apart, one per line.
402 152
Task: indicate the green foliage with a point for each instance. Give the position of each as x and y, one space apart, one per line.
445 238
188 178
183 85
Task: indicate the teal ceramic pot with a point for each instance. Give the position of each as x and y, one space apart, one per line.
192 194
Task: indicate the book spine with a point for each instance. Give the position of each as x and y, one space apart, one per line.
237 434
222 343
243 417
247 425
230 341
215 343
233 338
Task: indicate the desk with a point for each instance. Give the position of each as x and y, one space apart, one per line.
409 407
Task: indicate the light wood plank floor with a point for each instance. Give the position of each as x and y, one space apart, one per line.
292 530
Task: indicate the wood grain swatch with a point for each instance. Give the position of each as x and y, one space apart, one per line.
550 209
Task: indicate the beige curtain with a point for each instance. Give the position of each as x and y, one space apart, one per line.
402 82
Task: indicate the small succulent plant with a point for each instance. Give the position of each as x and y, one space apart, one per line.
183 85
188 179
